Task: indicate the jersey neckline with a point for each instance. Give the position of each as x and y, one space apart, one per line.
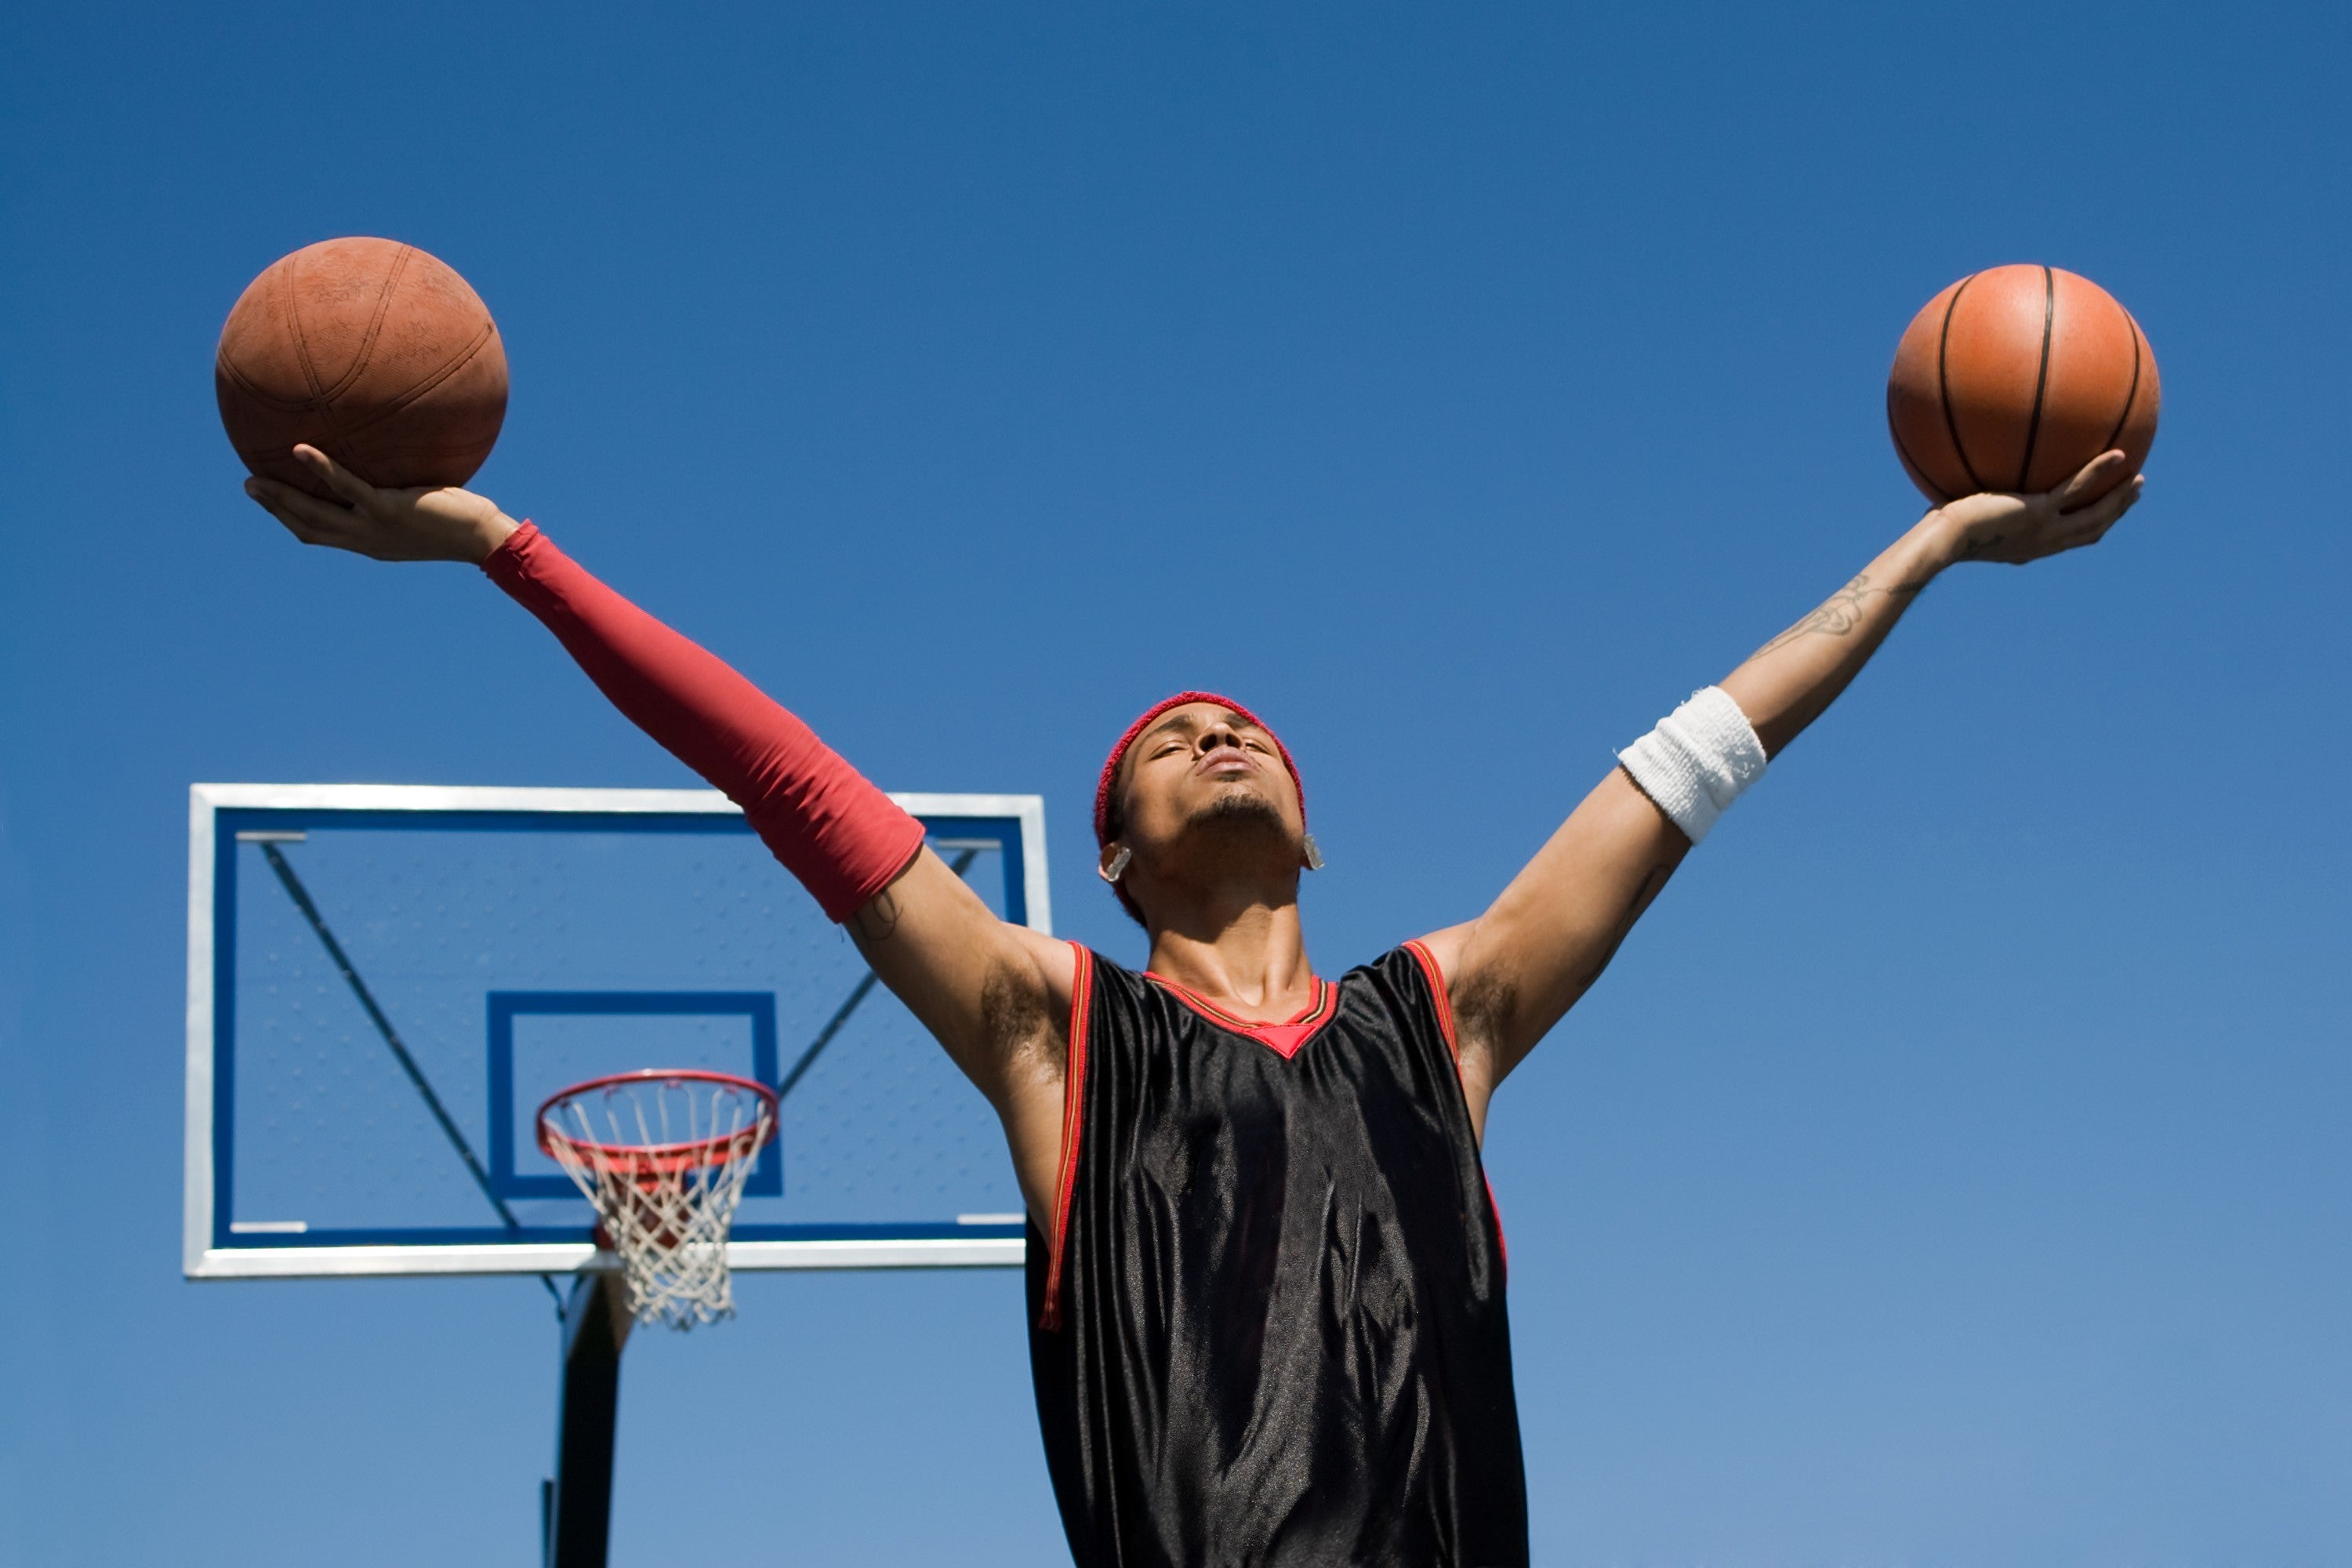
1283 1039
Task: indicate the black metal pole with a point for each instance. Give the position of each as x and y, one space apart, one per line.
576 1505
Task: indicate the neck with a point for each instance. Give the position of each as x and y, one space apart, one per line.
1249 959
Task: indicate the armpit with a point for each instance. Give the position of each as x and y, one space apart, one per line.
1484 1002
1017 1017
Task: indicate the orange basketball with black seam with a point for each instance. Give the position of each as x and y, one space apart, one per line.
2012 378
372 351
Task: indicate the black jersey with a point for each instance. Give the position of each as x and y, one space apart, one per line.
1271 1329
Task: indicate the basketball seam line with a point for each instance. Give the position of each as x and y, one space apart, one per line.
1903 451
294 328
224 365
2131 394
369 339
322 397
2042 378
1944 379
473 350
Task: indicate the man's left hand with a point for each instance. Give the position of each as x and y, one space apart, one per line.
2018 528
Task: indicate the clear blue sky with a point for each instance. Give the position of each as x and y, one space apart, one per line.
1953 1168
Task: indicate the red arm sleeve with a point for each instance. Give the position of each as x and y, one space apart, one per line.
844 838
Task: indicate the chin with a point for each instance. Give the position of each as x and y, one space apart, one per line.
1239 810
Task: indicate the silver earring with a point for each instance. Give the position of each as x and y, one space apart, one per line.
1117 866
1314 855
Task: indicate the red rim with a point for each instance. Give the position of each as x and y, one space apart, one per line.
659 1159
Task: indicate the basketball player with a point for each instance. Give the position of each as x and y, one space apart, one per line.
1266 1275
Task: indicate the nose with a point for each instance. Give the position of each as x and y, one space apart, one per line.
1221 733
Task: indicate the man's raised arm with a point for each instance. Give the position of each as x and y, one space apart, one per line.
1514 971
993 993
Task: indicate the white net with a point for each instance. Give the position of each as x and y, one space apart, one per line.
664 1157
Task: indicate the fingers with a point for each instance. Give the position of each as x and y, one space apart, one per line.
335 476
2093 480
305 516
2103 513
2090 524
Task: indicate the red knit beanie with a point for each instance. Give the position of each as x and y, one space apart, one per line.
1110 766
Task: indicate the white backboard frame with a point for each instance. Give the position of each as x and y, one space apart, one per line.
202 1261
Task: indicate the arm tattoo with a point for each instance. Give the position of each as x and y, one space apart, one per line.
877 921
1840 613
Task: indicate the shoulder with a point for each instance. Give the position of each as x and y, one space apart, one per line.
1409 964
1408 976
1098 978
1403 992
1102 968
1470 988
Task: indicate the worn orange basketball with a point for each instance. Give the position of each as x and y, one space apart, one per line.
374 352
2013 378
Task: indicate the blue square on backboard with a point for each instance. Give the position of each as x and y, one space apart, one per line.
756 1008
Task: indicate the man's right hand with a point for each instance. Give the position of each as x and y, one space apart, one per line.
424 524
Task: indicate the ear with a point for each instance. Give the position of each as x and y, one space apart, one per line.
1113 864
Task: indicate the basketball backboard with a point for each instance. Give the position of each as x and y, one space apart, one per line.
386 981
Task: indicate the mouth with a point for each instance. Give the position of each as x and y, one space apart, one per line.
1225 762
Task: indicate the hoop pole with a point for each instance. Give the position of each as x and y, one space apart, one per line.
576 1505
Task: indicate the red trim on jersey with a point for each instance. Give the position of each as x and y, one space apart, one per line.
1073 1105
1428 962
1283 1039
1502 1243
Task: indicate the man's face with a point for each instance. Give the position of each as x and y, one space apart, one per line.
1203 780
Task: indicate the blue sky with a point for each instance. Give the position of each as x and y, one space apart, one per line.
1951 1169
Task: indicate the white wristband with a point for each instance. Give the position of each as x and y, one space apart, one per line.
1697 761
